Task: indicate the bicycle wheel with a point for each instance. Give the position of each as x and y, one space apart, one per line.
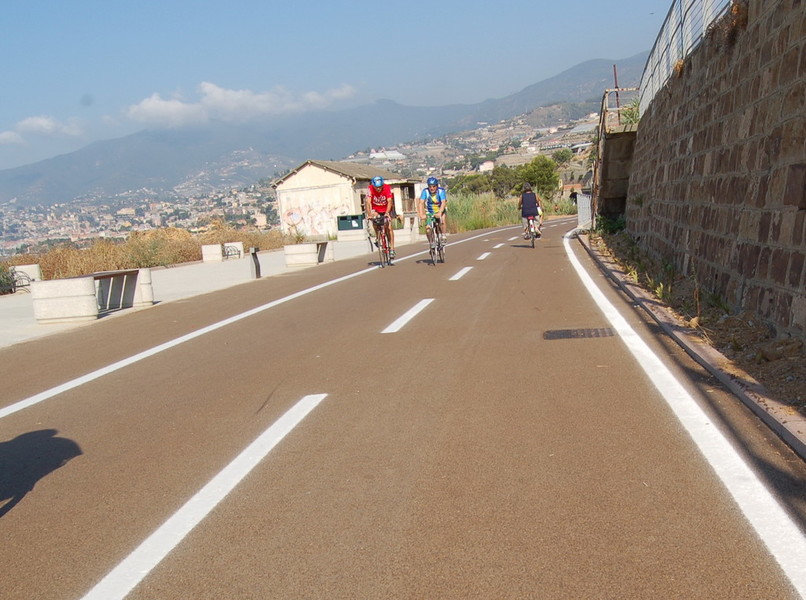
532 236
432 247
439 243
381 249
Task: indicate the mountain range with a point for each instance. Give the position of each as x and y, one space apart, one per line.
219 156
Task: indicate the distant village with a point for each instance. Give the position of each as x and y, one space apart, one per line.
511 142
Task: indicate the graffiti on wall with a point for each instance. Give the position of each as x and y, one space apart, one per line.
313 218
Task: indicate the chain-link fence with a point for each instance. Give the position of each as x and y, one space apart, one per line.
682 31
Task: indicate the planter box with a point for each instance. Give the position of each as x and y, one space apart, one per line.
308 254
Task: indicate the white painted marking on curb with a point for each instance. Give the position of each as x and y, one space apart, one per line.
773 525
408 316
460 274
74 383
483 256
134 568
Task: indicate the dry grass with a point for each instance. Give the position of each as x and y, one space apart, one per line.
157 247
777 362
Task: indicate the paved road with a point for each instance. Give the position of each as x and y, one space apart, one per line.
412 432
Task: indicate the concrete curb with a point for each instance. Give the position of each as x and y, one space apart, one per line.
791 428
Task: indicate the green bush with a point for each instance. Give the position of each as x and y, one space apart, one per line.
608 225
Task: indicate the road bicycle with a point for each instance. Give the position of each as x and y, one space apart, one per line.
435 243
533 229
382 241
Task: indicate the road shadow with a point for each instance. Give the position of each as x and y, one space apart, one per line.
28 458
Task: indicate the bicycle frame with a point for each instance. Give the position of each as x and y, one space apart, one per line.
382 241
437 247
533 224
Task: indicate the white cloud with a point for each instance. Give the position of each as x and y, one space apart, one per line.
40 126
48 126
219 103
10 137
169 113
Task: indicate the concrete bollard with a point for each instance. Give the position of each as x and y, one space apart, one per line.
144 296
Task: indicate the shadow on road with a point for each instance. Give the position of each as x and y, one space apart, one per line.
28 458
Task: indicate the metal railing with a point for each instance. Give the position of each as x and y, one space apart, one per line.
684 28
617 104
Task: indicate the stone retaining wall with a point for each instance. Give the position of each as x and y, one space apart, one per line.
718 182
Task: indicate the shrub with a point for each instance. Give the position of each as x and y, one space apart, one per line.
467 212
6 278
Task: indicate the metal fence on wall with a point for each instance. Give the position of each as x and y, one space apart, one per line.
682 31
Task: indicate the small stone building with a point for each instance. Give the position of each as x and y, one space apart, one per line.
311 197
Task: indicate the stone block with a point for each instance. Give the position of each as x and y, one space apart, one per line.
795 191
65 300
308 254
33 271
779 263
212 253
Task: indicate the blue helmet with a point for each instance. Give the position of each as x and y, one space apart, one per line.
377 181
432 181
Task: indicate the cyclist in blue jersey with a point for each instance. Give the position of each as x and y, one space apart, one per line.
433 202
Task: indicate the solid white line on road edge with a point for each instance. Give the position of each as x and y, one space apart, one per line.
773 525
497 246
460 274
134 568
74 383
483 256
408 316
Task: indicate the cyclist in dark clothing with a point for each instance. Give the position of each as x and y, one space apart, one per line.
530 205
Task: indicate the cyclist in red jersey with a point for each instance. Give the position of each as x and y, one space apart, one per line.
380 202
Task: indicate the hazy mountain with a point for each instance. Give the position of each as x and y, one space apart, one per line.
221 156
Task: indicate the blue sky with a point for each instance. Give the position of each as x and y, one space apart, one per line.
76 72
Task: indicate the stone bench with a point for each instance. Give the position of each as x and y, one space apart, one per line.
308 254
87 297
219 252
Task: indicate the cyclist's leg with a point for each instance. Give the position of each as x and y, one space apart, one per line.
391 233
376 229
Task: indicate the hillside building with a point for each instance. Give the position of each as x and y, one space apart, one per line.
312 196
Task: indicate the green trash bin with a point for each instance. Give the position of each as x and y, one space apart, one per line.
350 222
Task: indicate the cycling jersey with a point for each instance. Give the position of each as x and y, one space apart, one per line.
381 201
433 202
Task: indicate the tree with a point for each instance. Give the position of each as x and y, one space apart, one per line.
473 183
541 173
562 156
503 181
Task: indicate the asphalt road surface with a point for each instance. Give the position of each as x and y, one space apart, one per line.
483 428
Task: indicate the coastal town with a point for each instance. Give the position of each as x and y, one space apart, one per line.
510 142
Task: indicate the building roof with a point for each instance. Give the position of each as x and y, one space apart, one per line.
355 171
